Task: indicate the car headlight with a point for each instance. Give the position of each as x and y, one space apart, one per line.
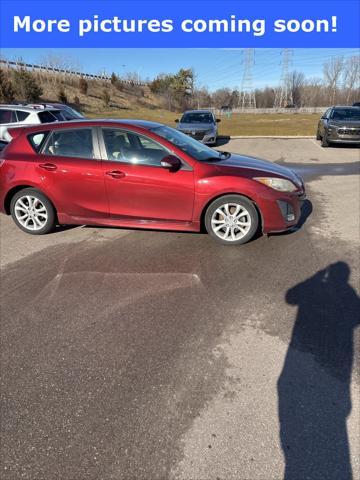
279 184
210 132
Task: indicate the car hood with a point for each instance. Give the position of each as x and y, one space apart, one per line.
345 123
264 167
195 127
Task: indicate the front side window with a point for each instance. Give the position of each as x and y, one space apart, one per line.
7 116
46 117
129 147
71 143
58 114
192 147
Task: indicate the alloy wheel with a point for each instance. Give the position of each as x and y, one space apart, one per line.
231 222
31 212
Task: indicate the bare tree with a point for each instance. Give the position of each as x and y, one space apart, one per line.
296 82
332 73
351 76
61 62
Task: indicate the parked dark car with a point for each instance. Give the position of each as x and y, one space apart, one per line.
339 125
356 104
139 174
199 124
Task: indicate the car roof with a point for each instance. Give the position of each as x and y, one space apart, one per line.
198 111
24 108
91 122
352 107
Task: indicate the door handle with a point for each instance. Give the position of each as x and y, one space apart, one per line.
116 174
48 166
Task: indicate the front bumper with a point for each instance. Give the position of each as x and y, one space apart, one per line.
203 137
283 212
343 134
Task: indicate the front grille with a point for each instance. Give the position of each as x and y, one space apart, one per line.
349 131
197 135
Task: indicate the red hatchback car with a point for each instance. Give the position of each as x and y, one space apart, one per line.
132 173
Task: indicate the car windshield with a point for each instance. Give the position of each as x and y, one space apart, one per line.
197 117
192 147
346 114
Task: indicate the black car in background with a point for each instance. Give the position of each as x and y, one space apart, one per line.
339 124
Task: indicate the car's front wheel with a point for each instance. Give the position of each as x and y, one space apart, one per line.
232 220
32 212
324 141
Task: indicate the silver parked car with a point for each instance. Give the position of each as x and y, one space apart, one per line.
199 124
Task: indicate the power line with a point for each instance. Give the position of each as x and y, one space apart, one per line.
247 96
283 94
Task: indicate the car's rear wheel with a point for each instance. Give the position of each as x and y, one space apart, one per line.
232 220
32 212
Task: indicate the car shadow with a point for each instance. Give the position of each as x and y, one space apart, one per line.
222 140
341 145
314 386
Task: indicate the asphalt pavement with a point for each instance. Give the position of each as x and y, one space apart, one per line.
129 354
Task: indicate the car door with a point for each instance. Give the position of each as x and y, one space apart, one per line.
138 187
70 168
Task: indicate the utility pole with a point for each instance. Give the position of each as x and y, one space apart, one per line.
283 94
247 95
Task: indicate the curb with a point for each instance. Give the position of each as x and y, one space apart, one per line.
272 136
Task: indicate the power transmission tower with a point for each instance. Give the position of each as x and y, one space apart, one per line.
247 96
283 94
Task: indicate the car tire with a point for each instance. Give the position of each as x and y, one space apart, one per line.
318 136
33 212
324 141
232 220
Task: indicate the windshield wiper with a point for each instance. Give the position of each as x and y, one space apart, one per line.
224 155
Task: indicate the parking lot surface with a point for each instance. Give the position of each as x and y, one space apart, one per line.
159 355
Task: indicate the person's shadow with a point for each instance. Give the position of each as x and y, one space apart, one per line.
314 385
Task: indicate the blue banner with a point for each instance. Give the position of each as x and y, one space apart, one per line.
179 23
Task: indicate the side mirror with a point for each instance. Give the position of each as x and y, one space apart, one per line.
171 162
177 120
323 118
218 120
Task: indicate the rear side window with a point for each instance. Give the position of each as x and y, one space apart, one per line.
7 116
37 140
21 115
71 143
47 117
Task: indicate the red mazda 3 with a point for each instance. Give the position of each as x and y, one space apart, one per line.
139 174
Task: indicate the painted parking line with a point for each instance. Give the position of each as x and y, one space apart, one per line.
317 144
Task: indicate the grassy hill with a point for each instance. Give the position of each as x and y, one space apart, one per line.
139 102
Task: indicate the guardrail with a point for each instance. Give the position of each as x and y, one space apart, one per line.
60 71
272 110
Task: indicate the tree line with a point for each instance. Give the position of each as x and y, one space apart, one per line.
340 84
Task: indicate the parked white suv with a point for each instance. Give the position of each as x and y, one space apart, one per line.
21 115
